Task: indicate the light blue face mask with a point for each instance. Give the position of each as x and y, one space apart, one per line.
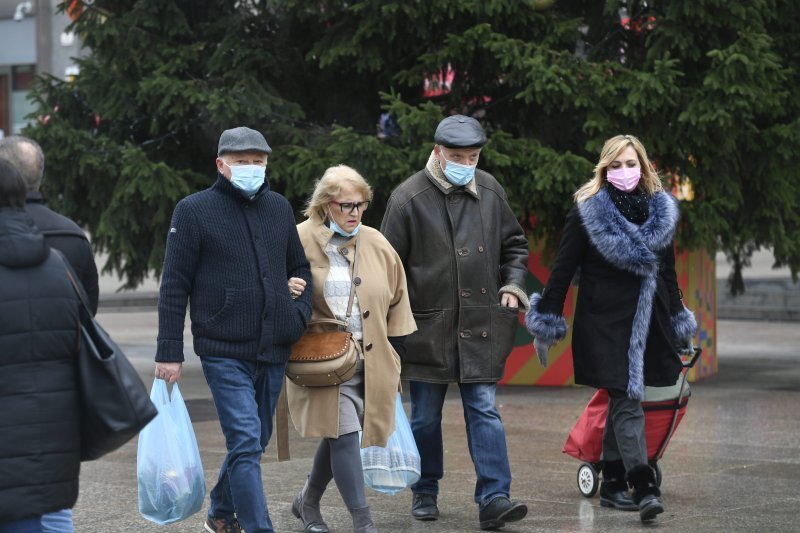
247 178
458 174
338 229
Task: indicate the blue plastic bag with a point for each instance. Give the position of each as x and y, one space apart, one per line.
172 486
391 469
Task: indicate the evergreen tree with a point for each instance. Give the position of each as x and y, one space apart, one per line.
711 88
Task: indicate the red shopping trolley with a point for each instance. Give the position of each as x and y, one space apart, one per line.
663 407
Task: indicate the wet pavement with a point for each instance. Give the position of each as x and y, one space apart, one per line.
733 464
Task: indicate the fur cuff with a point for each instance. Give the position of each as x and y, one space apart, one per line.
547 327
684 325
519 293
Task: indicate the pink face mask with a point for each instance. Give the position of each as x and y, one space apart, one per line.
625 178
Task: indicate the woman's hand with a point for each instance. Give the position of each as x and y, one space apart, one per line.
296 287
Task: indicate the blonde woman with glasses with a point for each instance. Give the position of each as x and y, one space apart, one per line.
380 319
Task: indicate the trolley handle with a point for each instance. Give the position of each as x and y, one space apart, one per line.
696 351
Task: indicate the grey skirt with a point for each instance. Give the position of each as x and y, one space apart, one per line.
351 402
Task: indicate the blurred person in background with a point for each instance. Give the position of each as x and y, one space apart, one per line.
59 231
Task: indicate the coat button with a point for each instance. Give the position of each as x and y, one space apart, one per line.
465 334
357 281
484 334
480 249
368 347
466 293
483 290
344 251
366 313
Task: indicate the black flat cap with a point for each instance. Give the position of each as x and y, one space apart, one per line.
458 131
242 139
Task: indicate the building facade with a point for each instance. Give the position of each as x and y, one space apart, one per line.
33 40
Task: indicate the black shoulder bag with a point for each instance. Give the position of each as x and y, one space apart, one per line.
114 402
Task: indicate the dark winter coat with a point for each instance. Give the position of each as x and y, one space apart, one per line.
459 249
40 444
629 317
67 237
232 257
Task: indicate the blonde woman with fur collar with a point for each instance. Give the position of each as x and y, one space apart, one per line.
630 320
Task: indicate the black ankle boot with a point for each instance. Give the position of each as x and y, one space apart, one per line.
614 488
309 512
645 492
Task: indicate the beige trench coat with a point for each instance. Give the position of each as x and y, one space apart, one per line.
385 312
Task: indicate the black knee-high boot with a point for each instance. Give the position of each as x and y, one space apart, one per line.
614 488
645 492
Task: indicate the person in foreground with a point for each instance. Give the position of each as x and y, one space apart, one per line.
230 251
39 406
381 317
630 321
466 258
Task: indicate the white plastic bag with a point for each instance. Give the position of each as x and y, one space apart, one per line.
172 486
391 469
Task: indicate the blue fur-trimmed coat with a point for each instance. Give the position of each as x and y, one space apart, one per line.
629 317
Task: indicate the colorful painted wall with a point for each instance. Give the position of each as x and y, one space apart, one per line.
697 279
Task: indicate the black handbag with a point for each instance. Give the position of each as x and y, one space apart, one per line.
114 402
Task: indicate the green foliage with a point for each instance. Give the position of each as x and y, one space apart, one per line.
710 87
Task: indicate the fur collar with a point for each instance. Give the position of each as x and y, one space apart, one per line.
624 244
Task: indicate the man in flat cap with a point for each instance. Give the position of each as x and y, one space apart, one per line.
230 251
465 257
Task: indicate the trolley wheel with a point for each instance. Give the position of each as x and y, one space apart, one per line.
657 470
587 480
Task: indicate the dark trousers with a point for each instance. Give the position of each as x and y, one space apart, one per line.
623 437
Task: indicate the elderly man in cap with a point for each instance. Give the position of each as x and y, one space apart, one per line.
465 257
230 251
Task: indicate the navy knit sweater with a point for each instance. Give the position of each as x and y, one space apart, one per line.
231 257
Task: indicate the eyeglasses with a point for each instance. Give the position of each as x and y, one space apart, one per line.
350 207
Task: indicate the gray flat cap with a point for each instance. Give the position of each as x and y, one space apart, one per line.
242 139
458 131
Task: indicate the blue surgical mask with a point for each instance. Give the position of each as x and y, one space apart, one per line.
338 229
458 174
247 178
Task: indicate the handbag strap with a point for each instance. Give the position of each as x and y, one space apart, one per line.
353 279
78 288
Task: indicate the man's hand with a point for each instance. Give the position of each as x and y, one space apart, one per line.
296 287
169 372
509 300
541 351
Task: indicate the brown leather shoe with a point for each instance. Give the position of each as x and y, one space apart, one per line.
222 525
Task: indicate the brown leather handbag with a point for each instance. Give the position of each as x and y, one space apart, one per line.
326 358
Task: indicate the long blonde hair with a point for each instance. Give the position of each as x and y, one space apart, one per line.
328 186
650 182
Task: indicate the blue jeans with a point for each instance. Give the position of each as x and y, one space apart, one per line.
486 438
245 395
29 525
58 522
